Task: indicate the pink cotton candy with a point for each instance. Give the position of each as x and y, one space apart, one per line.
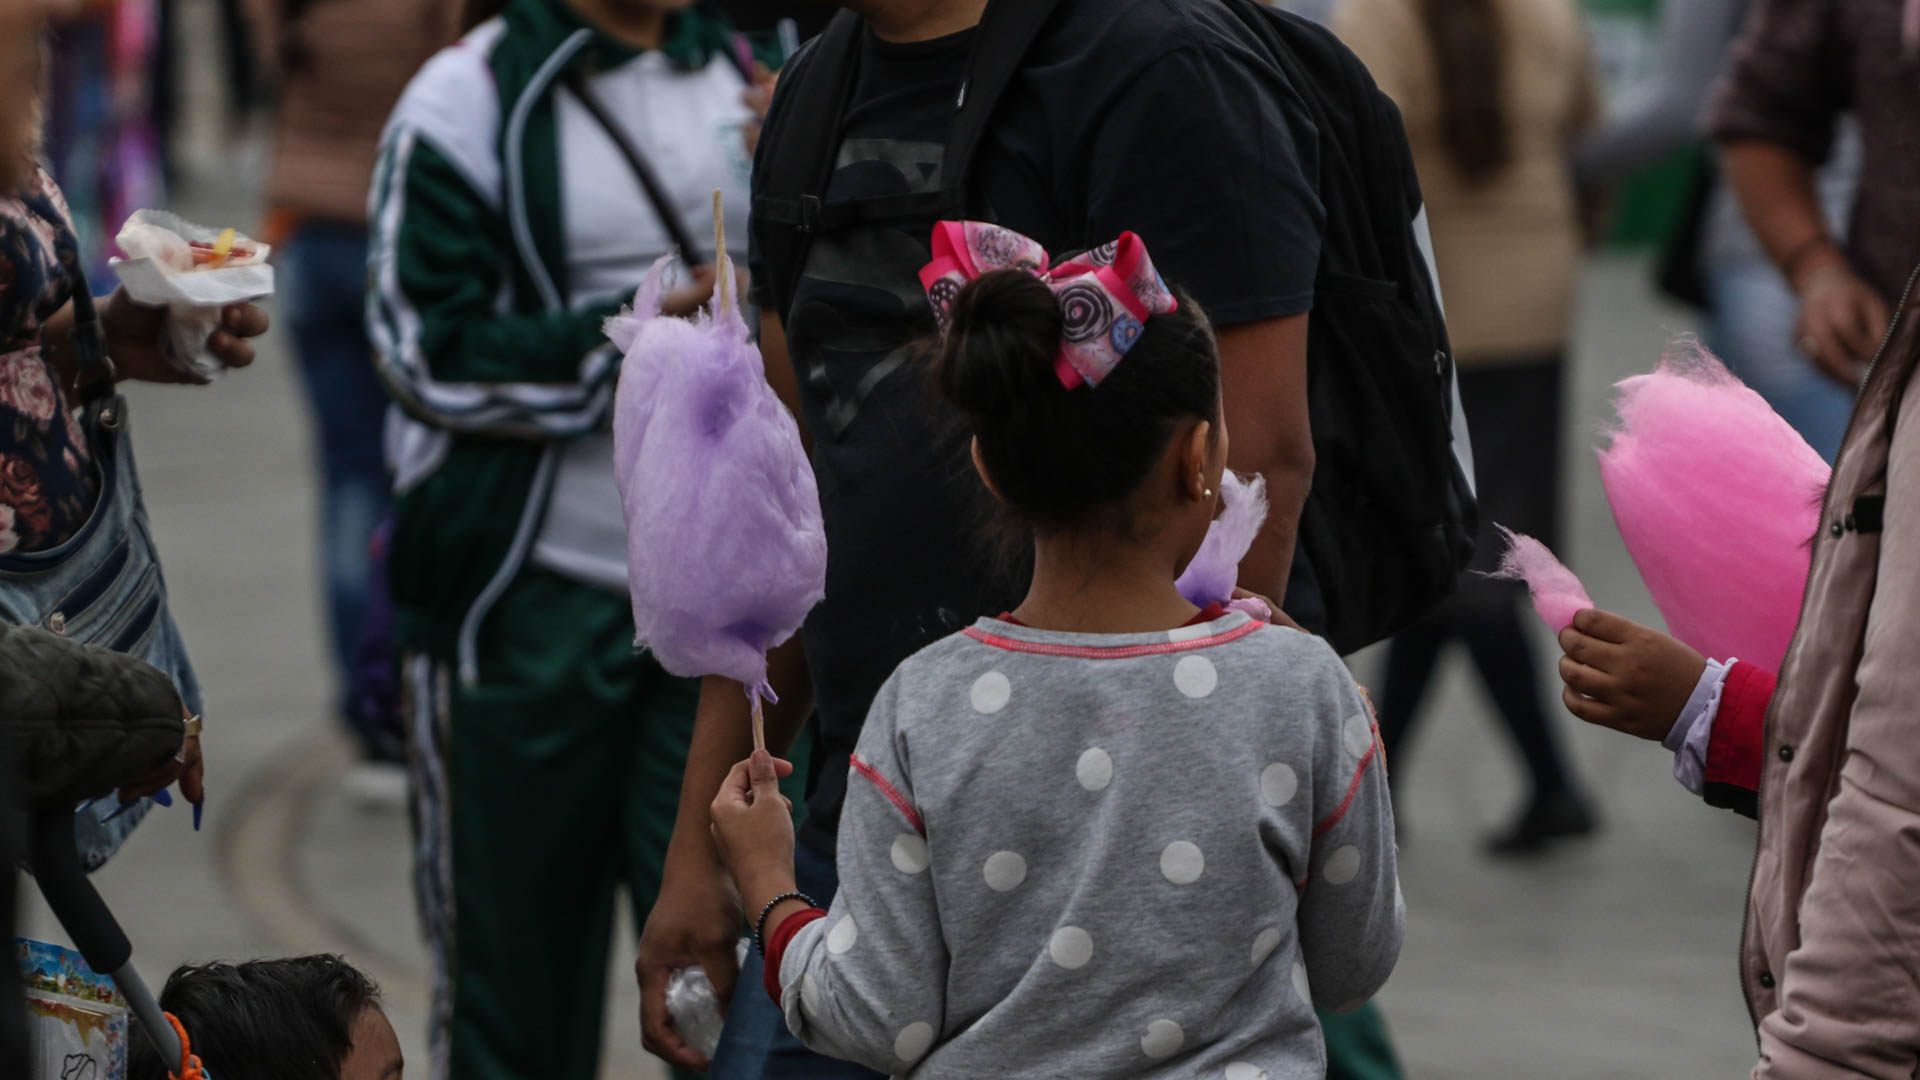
1716 497
1557 593
1211 576
726 551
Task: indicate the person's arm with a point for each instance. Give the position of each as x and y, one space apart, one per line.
1842 317
842 980
697 917
1352 919
780 374
447 352
1786 84
1263 373
1849 995
1639 681
136 337
1736 743
1693 35
1209 157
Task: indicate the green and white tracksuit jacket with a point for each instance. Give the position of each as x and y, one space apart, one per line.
483 333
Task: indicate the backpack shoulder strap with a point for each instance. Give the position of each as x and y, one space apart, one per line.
803 127
802 137
1008 29
797 150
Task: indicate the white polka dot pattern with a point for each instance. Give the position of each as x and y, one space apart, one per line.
1263 945
1005 870
1182 862
1240 1070
991 692
1358 734
910 855
1301 985
1094 770
1071 947
913 1042
1195 676
1162 1040
1278 783
842 936
1343 867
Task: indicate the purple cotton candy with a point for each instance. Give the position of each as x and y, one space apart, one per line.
1716 497
1215 569
726 552
1557 593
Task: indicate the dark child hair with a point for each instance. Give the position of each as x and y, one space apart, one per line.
265 1019
1058 456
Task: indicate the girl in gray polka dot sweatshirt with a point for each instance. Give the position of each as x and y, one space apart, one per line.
1107 834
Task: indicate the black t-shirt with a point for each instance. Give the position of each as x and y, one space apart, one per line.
759 15
1149 115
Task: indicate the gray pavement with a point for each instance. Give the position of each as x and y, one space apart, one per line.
1613 959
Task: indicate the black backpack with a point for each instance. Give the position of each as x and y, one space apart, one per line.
1390 523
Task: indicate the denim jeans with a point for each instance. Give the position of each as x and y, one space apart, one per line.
103 586
324 290
756 1044
1751 328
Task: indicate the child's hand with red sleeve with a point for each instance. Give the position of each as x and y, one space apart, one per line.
1626 676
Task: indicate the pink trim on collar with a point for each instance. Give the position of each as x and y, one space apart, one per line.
1110 652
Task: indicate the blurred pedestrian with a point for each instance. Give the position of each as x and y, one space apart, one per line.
1798 67
339 67
529 177
1493 93
1750 310
76 555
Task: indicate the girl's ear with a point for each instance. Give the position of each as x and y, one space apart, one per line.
980 466
1198 476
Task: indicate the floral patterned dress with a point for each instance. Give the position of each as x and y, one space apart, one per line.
47 483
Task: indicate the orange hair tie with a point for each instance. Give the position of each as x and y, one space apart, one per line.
190 1067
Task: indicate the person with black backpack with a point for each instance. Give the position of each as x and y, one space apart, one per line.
1495 93
1251 153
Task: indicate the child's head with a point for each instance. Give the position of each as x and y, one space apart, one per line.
305 1018
1138 455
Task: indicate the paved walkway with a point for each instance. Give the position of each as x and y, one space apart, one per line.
1612 960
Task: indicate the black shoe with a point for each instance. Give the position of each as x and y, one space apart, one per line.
1559 816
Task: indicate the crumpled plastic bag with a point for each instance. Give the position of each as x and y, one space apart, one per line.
159 270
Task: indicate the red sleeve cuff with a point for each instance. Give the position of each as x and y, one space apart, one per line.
1738 743
777 947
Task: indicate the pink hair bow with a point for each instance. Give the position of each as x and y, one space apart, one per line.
1106 295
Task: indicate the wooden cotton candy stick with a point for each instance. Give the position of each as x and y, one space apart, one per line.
759 723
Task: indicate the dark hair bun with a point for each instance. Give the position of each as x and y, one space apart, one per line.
1058 456
1001 344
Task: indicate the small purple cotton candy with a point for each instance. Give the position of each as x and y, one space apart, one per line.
1215 569
726 551
1557 593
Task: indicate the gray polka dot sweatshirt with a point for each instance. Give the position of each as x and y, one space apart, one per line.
1084 855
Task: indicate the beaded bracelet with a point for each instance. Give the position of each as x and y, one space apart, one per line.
760 924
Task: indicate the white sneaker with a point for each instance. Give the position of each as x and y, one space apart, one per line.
376 786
